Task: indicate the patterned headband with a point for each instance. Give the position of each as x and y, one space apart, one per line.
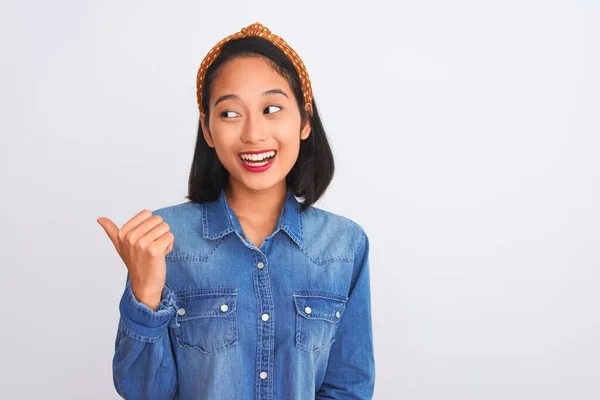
258 30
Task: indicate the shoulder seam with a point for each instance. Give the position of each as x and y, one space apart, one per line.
172 206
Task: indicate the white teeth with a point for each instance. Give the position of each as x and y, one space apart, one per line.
257 157
258 160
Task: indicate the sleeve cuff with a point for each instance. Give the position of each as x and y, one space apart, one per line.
143 323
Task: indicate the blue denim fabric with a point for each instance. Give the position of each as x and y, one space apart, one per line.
290 320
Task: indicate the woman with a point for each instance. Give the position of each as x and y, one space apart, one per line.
261 296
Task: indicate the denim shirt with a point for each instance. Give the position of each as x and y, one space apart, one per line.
290 320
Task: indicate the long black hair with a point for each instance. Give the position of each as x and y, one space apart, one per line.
313 171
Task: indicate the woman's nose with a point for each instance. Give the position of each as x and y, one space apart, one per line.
254 130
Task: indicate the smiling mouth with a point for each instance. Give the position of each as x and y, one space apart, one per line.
258 160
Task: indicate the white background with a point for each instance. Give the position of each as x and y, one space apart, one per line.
466 137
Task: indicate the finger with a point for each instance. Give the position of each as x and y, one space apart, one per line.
155 232
152 235
111 230
165 242
135 221
137 235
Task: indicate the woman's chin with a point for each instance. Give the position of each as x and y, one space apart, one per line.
260 185
260 182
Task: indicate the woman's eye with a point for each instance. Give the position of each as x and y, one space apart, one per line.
272 109
228 114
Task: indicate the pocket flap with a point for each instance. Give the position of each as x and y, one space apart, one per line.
206 303
320 305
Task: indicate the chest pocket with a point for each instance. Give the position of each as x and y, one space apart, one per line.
318 315
207 320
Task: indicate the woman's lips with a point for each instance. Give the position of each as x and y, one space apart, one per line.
258 165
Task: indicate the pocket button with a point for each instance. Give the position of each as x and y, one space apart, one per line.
207 319
317 318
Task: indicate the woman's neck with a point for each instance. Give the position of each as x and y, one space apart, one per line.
256 205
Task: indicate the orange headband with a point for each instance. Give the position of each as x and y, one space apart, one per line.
258 30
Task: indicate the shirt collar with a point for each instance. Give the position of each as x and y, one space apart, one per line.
218 219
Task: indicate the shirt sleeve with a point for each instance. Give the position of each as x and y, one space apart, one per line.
350 372
143 363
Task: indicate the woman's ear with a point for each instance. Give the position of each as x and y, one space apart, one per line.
205 131
306 128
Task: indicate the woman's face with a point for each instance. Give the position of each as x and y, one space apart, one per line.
255 124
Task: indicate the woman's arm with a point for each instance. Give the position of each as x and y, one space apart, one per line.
351 370
143 364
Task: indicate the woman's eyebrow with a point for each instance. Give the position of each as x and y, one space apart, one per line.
225 97
275 91
234 96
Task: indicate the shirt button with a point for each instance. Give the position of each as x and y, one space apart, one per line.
337 314
263 375
265 317
224 308
307 310
181 311
260 265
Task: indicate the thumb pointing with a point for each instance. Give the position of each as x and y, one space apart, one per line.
111 230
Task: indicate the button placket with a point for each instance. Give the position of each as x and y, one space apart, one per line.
265 344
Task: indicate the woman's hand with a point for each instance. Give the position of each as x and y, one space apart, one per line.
143 243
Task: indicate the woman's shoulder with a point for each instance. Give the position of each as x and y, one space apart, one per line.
185 222
177 211
332 229
317 215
